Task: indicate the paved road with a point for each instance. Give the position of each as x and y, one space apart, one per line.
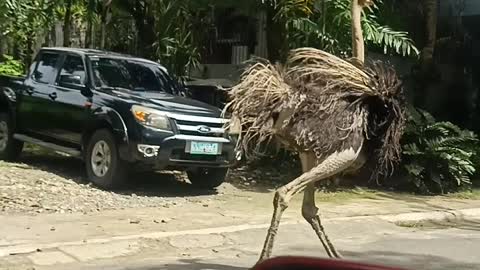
442 245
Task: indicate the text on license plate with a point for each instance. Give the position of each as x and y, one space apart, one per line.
204 148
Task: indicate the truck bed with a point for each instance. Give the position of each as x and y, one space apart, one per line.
11 81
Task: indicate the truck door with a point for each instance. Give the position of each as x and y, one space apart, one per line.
71 105
34 107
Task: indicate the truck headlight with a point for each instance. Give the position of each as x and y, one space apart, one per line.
151 117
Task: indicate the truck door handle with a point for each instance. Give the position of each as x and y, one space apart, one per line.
29 91
53 95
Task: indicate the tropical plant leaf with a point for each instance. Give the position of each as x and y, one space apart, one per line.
438 154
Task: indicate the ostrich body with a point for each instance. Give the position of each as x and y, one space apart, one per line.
332 113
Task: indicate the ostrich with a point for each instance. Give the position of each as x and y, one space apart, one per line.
330 111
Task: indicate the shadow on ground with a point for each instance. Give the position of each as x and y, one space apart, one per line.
262 180
421 200
409 261
195 264
393 259
141 184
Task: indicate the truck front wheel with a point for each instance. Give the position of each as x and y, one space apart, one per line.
10 148
207 178
104 166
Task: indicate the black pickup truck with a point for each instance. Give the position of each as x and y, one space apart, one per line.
116 112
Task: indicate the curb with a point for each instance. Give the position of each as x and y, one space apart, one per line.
439 215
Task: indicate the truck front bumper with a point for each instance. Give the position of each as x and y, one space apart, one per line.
171 152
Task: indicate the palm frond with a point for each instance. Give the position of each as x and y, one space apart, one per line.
302 15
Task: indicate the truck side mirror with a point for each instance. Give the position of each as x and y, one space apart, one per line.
74 82
86 91
70 79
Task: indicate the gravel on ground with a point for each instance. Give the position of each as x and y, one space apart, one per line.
44 182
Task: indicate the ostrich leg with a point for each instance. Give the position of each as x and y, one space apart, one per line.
333 164
280 203
310 213
310 210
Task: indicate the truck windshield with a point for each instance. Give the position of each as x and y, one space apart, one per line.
132 75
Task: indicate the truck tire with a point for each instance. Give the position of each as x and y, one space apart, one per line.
105 169
10 148
207 178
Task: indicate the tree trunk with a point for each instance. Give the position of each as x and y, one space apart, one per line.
3 46
103 29
144 24
430 7
358 46
276 45
67 24
48 39
103 35
53 35
324 21
29 49
146 35
90 16
90 36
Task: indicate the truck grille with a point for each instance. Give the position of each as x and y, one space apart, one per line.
199 126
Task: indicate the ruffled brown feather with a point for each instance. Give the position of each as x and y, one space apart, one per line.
321 103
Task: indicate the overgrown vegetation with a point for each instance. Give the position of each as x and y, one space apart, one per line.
175 45
176 32
10 66
327 25
438 156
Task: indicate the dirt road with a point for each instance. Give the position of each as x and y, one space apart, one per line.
51 217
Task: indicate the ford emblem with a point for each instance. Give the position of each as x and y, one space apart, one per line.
204 129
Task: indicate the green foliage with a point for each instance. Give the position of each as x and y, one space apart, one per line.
78 10
438 156
375 34
172 31
11 67
327 25
175 45
23 21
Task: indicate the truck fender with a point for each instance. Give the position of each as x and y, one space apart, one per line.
115 120
8 99
8 94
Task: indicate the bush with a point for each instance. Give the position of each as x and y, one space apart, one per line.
438 156
10 66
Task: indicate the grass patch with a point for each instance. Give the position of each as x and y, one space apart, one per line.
344 195
438 224
473 194
410 224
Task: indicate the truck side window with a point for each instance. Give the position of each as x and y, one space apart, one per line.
143 77
45 71
73 71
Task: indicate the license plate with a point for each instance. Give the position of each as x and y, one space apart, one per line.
204 148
